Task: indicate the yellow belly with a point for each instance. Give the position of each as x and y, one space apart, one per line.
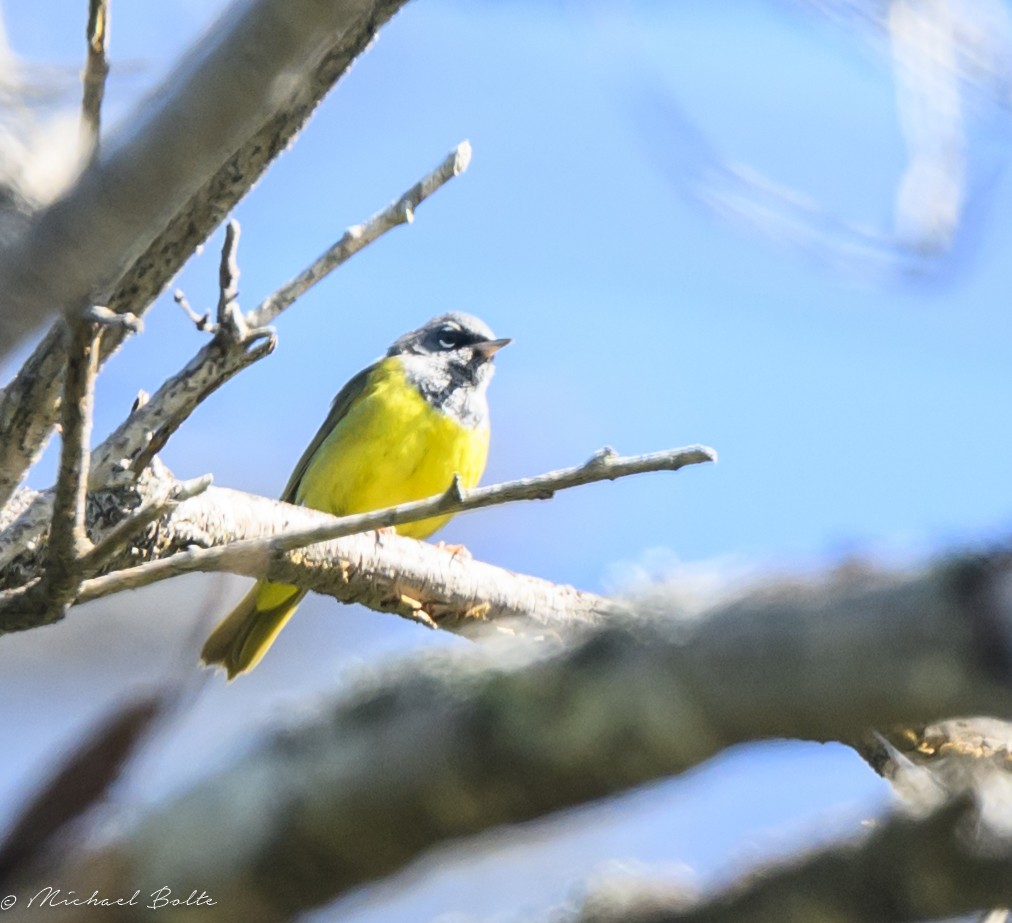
392 447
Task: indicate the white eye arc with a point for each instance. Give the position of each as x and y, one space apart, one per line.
449 337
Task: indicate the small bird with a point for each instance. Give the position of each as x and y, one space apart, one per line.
398 431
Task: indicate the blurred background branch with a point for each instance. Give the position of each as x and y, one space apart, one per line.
903 869
457 744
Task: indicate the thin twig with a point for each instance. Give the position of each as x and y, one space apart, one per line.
230 322
605 465
360 236
112 320
229 313
96 69
45 599
67 540
200 321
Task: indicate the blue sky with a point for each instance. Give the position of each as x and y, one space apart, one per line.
857 409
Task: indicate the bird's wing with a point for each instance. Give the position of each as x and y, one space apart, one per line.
345 398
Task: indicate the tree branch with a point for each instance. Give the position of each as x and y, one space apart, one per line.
47 598
475 738
386 573
96 69
257 553
229 314
67 540
254 536
28 404
48 587
907 870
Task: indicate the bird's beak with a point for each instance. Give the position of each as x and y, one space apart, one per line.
490 347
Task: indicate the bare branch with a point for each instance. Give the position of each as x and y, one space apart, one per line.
230 322
474 738
23 535
67 539
28 410
605 465
384 572
111 320
200 321
360 236
118 521
28 404
96 69
230 317
180 396
46 598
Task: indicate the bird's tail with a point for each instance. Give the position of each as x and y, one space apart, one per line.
244 635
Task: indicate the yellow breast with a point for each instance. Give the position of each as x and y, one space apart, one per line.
390 447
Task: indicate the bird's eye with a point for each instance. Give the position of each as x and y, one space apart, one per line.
449 337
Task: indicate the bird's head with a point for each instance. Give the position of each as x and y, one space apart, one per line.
449 359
